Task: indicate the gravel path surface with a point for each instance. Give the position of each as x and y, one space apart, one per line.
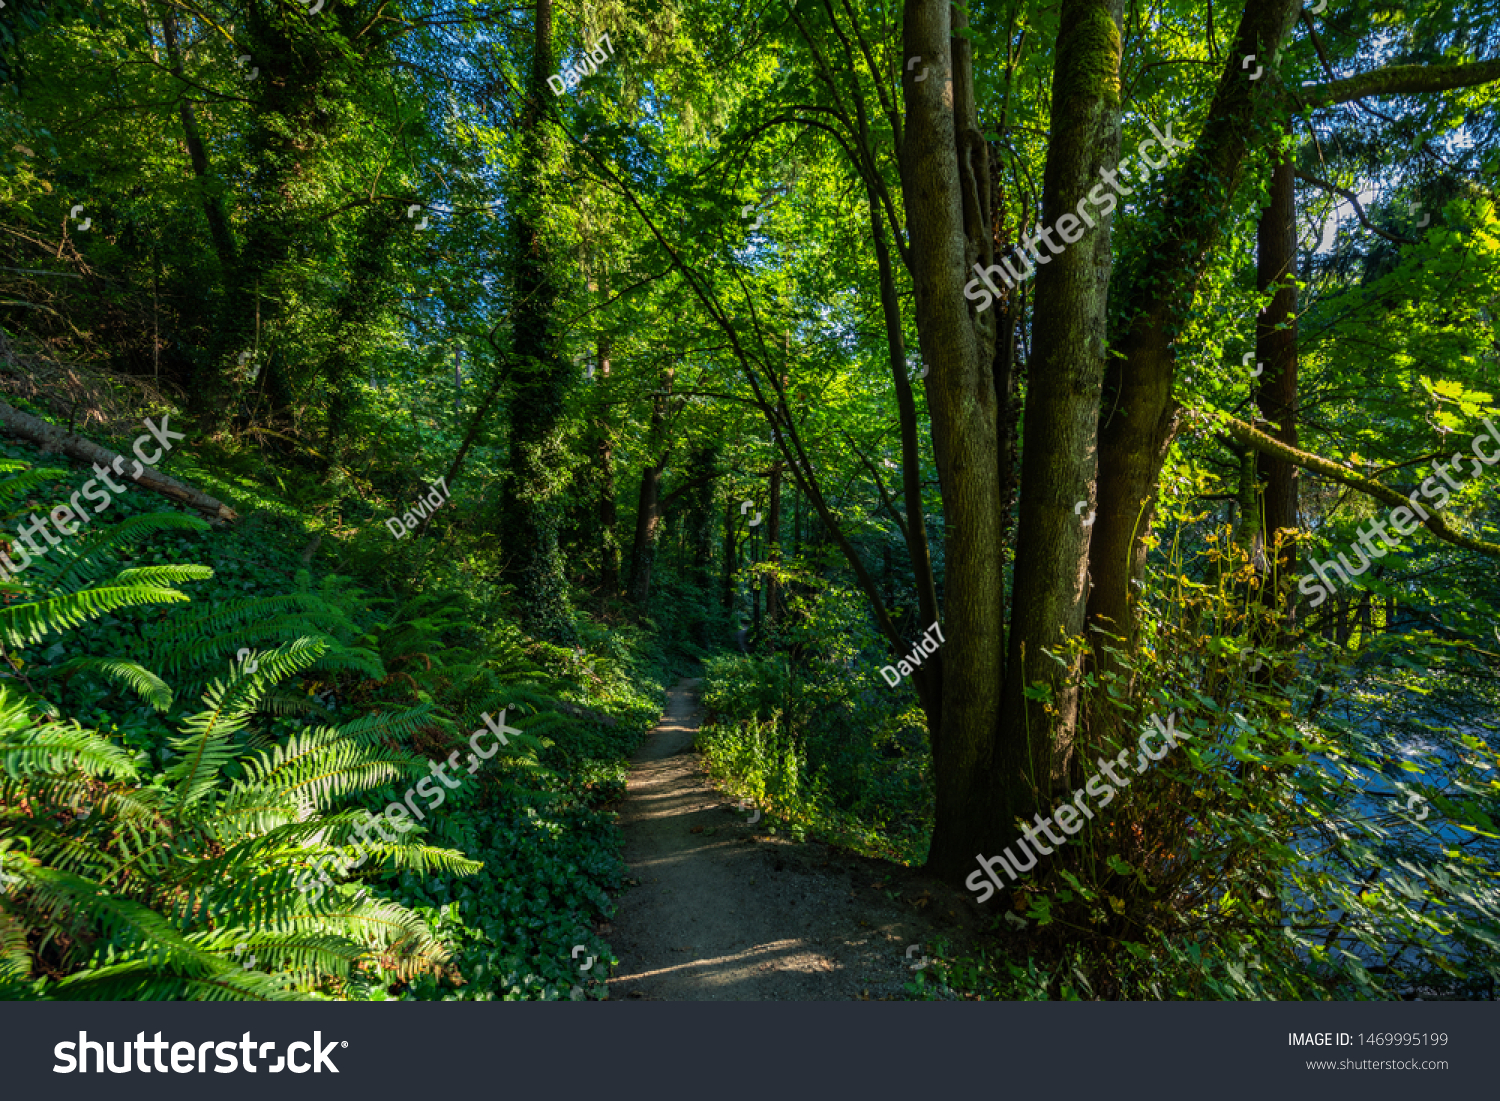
716 909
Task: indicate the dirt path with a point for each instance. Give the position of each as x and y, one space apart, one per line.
721 910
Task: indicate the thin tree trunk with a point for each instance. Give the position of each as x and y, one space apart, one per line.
773 546
213 206
648 514
647 531
609 539
1276 353
726 589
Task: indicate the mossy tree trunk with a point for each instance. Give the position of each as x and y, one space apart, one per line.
531 509
1157 291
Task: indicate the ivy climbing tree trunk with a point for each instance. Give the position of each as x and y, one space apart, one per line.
531 509
1157 291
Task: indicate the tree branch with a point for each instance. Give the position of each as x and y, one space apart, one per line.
1359 211
1247 434
1398 80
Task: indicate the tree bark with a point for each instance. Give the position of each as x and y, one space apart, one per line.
1138 393
949 227
1062 415
532 505
49 437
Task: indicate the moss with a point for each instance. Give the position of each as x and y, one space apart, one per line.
1092 48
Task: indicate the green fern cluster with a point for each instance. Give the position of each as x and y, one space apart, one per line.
195 878
116 883
184 885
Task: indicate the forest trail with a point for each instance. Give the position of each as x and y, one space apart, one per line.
723 911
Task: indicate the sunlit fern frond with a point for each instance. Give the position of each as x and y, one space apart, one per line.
134 676
21 624
206 746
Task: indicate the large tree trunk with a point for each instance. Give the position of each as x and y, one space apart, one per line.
1062 414
943 167
985 773
532 505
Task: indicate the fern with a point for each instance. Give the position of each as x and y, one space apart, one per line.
132 675
26 480
152 888
206 747
21 624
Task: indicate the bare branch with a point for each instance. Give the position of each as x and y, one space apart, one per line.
1358 210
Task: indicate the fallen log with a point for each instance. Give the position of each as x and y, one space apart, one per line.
49 437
